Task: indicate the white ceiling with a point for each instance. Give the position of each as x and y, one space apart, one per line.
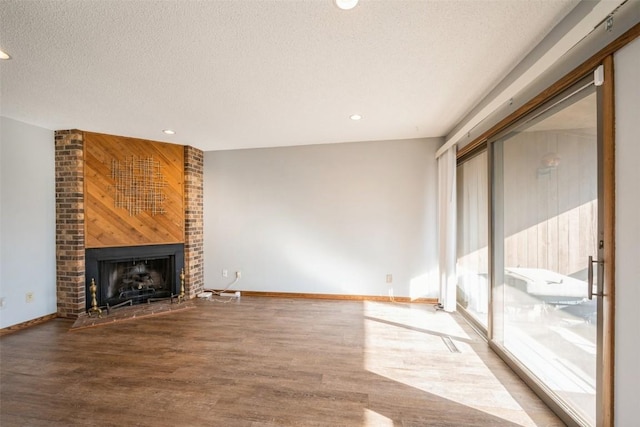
241 74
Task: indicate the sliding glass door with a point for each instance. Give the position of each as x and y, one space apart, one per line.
544 229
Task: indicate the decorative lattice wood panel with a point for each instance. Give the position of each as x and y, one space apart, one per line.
134 191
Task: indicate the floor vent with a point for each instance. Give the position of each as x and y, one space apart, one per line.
450 345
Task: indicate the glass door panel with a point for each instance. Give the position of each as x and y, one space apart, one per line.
473 237
545 225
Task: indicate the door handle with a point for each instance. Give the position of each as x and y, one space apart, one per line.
590 292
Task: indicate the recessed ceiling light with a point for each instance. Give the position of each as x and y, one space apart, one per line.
355 117
169 132
346 4
4 55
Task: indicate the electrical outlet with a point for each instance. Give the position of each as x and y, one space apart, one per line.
28 297
2 302
238 274
389 278
225 273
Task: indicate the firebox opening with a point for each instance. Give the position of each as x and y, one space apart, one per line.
137 280
138 274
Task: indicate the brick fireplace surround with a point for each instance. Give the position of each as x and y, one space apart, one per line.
70 222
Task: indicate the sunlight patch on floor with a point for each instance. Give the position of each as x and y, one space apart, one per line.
417 316
404 343
374 419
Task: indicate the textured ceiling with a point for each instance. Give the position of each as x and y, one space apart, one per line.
241 74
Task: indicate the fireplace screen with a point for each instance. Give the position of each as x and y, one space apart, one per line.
137 281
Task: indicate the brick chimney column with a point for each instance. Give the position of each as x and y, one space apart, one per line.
194 221
70 268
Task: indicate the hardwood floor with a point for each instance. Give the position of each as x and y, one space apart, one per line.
264 362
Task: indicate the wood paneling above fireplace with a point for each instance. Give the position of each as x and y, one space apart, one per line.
110 161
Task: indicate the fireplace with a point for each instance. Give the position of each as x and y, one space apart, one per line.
87 216
134 274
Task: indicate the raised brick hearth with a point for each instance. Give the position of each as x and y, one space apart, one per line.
70 222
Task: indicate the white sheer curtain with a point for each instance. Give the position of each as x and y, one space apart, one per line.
447 228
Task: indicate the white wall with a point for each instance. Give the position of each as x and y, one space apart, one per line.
332 219
627 341
27 208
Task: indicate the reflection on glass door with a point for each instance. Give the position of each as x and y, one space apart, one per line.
473 237
545 217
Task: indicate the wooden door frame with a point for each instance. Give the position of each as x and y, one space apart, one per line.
606 413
